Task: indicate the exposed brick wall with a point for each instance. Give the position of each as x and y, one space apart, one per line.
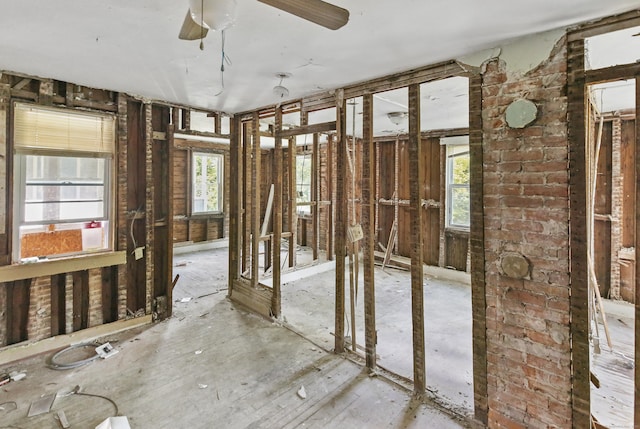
95 297
40 309
526 212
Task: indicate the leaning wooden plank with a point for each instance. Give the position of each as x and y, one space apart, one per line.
267 212
392 239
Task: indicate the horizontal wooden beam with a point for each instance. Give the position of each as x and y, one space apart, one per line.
627 71
11 273
308 129
203 134
606 25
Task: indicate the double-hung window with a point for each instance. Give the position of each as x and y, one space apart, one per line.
458 214
303 183
207 184
63 197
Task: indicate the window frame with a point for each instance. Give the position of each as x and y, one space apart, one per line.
450 186
220 183
306 203
23 149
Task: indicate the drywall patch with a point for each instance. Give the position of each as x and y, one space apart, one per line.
520 55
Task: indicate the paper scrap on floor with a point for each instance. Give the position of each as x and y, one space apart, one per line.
119 422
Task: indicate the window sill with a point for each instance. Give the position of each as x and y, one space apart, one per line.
10 273
457 230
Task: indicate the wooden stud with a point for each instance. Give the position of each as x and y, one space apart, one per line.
69 99
331 198
255 201
637 245
80 300
315 215
396 186
246 196
276 304
168 214
293 209
578 238
5 189
18 299
109 294
417 278
186 120
341 221
234 204
476 233
368 224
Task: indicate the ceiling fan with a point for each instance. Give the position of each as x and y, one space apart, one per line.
220 15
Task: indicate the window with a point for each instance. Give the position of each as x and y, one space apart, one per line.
207 188
62 181
457 200
303 183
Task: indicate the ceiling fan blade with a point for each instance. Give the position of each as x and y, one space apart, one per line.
317 11
191 30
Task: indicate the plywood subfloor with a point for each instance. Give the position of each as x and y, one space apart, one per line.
214 365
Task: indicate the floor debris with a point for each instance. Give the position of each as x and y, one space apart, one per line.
41 405
119 422
302 393
7 407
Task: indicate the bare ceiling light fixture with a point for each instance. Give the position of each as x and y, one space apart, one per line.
280 90
397 117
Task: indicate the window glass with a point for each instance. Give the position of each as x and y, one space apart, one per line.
207 183
458 196
303 182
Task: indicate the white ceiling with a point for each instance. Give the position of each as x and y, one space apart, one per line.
132 45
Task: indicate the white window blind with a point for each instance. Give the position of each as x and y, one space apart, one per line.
40 127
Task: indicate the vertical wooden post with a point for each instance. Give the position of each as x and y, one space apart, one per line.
368 226
637 303
18 299
234 203
255 200
315 209
478 287
276 299
246 196
396 186
415 207
330 198
293 208
168 199
80 300
579 300
109 295
341 219
123 190
6 213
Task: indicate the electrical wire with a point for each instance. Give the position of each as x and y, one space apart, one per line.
92 395
71 365
224 59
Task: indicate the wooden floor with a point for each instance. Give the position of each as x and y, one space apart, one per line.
214 365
